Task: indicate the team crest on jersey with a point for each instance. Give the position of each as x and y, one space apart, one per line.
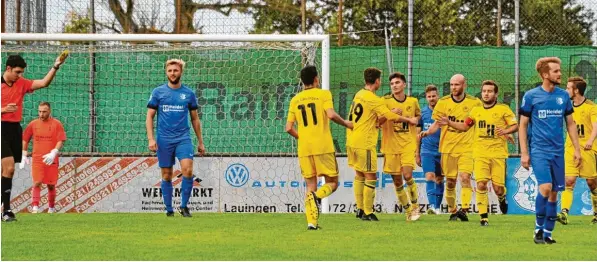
559 100
465 108
527 189
495 116
408 108
183 96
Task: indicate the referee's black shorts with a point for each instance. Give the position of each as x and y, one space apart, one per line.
12 140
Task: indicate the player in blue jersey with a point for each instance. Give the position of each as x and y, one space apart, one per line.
174 102
544 108
428 156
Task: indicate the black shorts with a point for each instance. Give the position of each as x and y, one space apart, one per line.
12 140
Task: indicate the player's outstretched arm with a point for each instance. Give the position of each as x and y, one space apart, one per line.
331 113
41 83
525 160
196 122
290 129
432 130
149 128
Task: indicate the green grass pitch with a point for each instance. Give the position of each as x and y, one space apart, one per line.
98 236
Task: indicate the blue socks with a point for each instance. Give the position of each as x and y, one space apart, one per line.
540 210
439 194
430 188
167 195
187 187
550 221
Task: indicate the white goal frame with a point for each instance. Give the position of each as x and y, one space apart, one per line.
323 39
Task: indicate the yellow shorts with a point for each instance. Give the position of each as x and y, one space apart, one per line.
318 165
362 160
452 164
493 169
393 163
587 168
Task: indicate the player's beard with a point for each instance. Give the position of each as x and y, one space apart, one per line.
457 93
555 82
490 102
175 82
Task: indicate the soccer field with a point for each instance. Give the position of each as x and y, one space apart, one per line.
283 237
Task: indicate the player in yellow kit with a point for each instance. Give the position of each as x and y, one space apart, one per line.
399 145
366 111
311 109
585 116
456 146
493 122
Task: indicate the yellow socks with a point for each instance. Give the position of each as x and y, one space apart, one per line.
401 195
368 196
451 199
482 201
324 191
567 197
412 190
466 193
359 184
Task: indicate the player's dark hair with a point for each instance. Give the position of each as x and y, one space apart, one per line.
44 103
490 83
308 75
430 88
579 83
371 74
397 75
16 61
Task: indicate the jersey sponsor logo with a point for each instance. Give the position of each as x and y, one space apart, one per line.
237 175
550 113
172 108
527 189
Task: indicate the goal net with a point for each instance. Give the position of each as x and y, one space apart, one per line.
243 85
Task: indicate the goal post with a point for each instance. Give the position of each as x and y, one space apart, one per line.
243 83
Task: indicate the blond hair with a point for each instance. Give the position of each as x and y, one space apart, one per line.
178 62
543 64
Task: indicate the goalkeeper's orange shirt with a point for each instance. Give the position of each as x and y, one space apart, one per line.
366 108
308 110
45 136
452 140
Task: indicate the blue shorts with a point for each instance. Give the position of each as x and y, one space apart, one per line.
549 169
168 150
431 163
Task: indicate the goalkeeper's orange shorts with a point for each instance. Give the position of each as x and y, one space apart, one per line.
319 165
44 173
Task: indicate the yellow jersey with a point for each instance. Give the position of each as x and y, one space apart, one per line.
366 108
452 140
487 143
308 110
584 115
398 137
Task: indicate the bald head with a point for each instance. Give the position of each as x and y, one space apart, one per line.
458 78
457 85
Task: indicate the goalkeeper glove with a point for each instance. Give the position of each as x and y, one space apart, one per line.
24 160
49 157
